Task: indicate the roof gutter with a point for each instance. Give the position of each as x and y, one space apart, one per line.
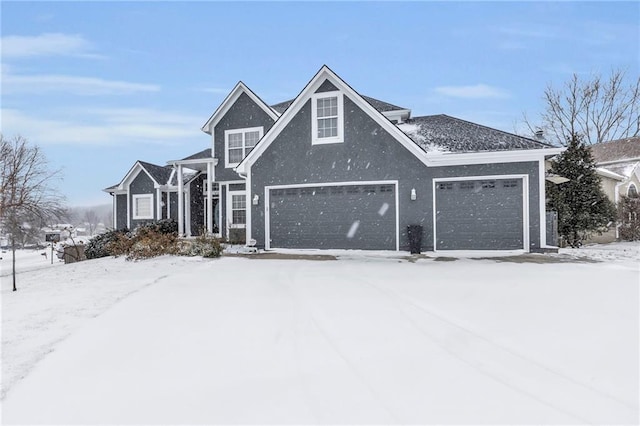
454 159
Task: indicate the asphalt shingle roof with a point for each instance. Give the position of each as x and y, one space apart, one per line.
376 103
449 134
618 150
198 155
160 174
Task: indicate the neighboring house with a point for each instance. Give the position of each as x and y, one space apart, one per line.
335 169
618 165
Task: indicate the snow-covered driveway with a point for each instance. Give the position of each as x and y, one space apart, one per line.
359 340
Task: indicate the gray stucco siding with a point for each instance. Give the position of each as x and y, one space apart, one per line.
326 86
142 184
244 113
121 211
368 153
173 205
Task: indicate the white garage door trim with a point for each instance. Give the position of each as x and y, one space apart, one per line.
525 204
267 202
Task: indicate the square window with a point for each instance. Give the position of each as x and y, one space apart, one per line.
235 155
143 206
239 143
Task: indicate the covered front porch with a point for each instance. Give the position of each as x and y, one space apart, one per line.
199 196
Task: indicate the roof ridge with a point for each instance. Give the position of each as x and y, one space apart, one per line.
498 130
627 139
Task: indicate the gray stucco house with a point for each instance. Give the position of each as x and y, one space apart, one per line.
332 169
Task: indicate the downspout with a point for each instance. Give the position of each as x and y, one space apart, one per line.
209 209
180 201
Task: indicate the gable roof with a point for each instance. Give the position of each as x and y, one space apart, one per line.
206 153
325 73
376 103
231 98
621 150
160 174
443 133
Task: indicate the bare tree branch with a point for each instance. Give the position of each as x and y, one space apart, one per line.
598 109
27 197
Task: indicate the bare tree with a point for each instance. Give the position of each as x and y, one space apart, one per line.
91 219
599 109
26 191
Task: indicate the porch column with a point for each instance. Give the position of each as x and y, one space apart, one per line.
158 204
180 201
187 197
209 198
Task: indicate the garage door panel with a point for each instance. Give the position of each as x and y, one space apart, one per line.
351 217
479 215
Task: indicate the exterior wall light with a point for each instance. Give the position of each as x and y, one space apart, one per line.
256 199
414 196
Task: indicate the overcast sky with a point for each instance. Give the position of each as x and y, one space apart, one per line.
101 85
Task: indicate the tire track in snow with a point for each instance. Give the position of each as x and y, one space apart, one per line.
520 373
289 276
284 277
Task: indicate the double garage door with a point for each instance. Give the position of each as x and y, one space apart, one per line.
333 217
483 214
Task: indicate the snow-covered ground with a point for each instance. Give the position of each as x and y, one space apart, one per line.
368 338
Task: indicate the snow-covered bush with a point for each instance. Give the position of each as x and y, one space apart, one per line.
151 240
100 245
147 243
203 245
162 226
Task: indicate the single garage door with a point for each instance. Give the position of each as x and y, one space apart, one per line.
333 217
479 214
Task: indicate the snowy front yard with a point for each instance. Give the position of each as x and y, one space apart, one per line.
367 338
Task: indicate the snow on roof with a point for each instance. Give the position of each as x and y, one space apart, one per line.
602 171
442 133
624 170
618 150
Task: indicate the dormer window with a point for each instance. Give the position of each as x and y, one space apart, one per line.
327 118
238 143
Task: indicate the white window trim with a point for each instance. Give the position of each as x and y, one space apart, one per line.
135 212
629 189
229 165
230 195
315 140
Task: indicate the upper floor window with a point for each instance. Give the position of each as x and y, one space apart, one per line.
632 191
238 143
327 118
